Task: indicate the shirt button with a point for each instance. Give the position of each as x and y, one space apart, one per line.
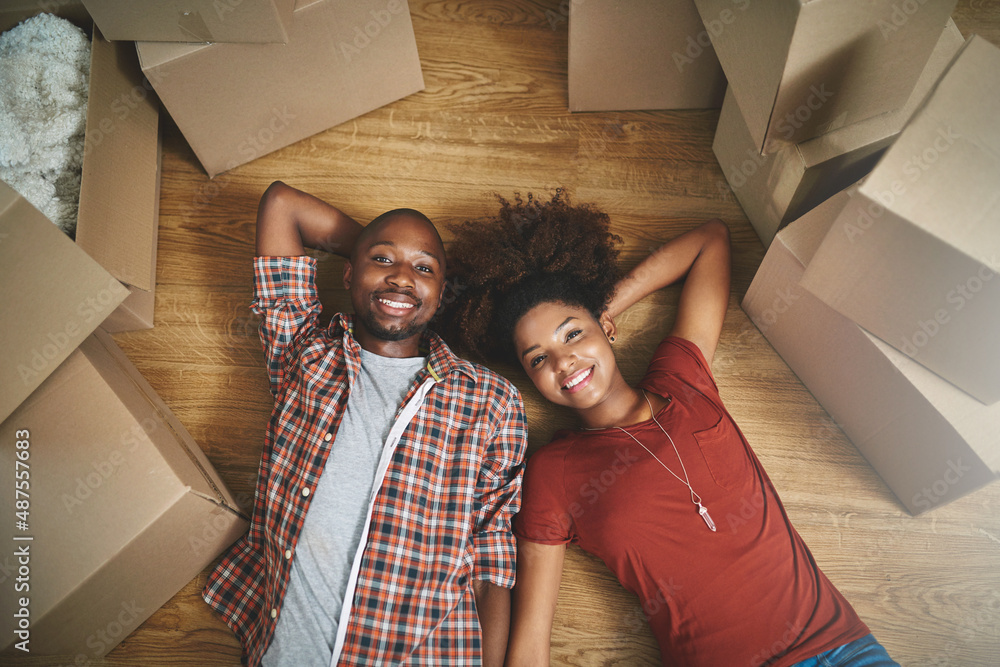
274 613
328 437
305 492
288 554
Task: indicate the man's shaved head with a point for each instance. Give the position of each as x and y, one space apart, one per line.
375 225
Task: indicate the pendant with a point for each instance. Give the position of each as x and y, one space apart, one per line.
703 511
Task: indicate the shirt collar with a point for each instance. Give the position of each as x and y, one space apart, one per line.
440 359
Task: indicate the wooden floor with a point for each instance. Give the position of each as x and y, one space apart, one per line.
493 118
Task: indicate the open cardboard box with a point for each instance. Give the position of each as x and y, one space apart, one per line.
52 296
254 21
119 194
780 187
914 258
237 102
643 54
802 68
930 442
123 508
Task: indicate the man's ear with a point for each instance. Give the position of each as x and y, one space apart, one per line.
347 274
608 325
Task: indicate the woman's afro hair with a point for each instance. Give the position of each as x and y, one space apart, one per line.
530 252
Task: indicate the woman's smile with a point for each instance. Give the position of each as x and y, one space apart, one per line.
578 380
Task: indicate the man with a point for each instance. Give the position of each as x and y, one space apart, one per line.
391 468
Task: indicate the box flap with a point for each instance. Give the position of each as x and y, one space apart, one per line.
155 54
136 312
804 236
52 295
160 430
886 125
753 65
978 424
942 172
250 21
118 188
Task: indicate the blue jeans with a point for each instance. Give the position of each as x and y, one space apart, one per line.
864 652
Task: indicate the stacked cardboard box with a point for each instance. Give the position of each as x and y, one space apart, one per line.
915 257
113 507
930 442
802 68
817 90
777 188
885 299
644 54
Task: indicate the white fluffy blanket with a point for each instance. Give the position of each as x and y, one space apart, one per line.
44 73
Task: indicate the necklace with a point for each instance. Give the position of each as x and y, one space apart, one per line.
695 498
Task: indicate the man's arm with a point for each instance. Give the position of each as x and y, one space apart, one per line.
702 255
493 605
498 495
289 221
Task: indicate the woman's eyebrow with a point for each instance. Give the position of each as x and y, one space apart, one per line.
564 323
558 329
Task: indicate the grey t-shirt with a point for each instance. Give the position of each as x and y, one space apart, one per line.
307 627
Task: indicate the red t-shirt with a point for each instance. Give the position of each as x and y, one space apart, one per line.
748 594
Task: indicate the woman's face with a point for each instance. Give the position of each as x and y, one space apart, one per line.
567 354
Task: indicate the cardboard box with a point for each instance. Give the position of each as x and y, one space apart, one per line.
778 188
914 257
645 54
236 102
52 296
123 508
930 442
119 193
802 68
256 21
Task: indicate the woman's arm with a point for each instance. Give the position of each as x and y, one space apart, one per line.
701 254
289 221
533 603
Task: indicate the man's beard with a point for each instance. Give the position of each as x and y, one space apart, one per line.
391 334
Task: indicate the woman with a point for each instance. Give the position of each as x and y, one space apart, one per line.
658 481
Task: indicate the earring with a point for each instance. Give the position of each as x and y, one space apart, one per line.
612 339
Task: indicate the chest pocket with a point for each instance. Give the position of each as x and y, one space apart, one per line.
725 454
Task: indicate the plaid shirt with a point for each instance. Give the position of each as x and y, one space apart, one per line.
440 518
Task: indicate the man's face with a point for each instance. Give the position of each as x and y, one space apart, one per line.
396 278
